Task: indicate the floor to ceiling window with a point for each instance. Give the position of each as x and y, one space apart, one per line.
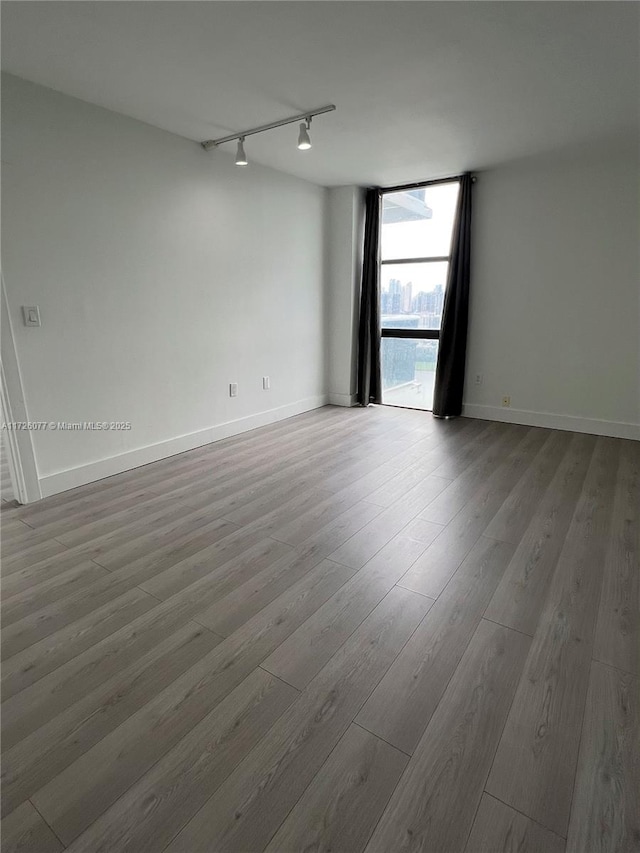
415 245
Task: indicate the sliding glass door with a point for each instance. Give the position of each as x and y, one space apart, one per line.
415 244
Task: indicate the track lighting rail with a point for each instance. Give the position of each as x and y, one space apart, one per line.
307 115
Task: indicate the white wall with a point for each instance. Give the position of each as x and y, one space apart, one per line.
162 272
345 231
555 294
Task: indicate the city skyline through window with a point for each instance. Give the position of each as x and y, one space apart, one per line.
415 244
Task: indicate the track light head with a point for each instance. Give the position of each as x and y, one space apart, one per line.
241 157
304 142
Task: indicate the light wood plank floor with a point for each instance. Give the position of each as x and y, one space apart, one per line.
354 630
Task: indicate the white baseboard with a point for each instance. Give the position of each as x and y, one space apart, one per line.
52 484
593 426
342 399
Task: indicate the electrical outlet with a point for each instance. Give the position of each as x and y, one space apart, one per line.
266 383
31 315
233 389
506 401
479 378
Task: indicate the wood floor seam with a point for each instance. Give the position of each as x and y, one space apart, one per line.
415 592
472 822
584 706
362 705
508 627
612 666
338 563
44 820
96 563
155 597
495 538
279 677
373 734
577 763
506 718
493 797
207 629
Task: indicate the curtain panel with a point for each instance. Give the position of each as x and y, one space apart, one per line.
449 383
369 390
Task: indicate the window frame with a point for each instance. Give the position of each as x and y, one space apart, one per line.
399 333
418 334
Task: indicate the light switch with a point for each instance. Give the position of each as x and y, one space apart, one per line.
31 315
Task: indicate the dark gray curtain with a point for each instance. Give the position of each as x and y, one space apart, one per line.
369 329
447 395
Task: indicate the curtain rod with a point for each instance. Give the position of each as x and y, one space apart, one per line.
419 184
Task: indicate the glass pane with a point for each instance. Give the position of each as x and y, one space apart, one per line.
408 372
412 295
418 223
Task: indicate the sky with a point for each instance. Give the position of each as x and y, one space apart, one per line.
420 239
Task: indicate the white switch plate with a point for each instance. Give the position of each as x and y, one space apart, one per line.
266 383
31 315
233 389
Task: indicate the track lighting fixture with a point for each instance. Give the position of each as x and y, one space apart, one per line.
303 138
304 141
241 157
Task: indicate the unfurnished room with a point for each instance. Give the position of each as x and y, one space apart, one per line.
320 427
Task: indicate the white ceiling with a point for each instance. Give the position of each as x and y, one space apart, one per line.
423 89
